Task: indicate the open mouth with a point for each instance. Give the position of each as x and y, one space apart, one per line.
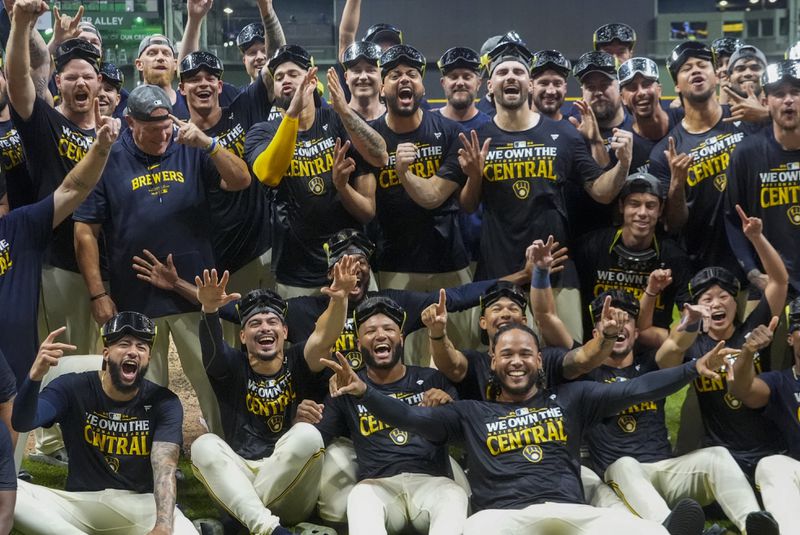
405 96
81 97
510 90
517 373
697 80
718 316
129 369
266 341
382 350
204 95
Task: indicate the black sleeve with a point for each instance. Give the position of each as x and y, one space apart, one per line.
438 380
333 423
733 195
258 139
601 400
459 298
31 412
217 355
450 169
437 424
5 27
8 383
584 167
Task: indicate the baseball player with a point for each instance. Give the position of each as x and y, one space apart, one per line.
267 470
617 39
122 433
777 394
522 448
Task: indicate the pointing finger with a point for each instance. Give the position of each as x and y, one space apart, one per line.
53 335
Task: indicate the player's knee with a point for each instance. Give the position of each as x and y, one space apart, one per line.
206 451
306 440
722 457
621 466
769 467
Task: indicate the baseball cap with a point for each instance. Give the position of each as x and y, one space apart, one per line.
641 183
156 39
794 314
459 57
294 53
383 32
361 50
688 49
616 31
128 322
347 241
379 305
622 299
550 59
76 49
507 50
711 276
146 98
111 73
495 40
644 66
746 52
252 33
786 70
260 301
84 26
200 61
725 46
596 61
401 55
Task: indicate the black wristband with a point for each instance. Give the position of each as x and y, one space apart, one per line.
98 296
437 337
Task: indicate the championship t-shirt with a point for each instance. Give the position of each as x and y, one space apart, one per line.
18 183
24 235
604 263
765 180
638 431
308 209
109 442
53 145
523 190
728 422
156 203
478 120
415 239
241 219
383 450
783 407
704 235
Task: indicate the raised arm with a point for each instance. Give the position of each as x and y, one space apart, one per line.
593 353
81 180
604 189
777 277
589 129
26 58
544 255
233 172
348 26
212 295
681 338
649 334
472 157
196 11
273 31
676 212
163 275
164 461
743 384
330 324
365 139
447 359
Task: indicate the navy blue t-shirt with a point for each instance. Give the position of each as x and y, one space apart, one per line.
783 407
415 239
109 442
158 203
383 450
53 145
241 219
8 383
8 472
24 235
523 187
470 124
18 183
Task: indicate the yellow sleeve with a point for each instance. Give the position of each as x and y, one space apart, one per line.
271 165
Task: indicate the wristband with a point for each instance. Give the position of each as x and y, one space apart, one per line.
540 278
650 294
98 296
692 327
212 149
437 337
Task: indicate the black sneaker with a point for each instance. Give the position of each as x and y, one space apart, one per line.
24 475
686 518
761 523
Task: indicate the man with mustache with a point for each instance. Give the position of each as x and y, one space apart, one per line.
549 73
157 65
461 81
122 433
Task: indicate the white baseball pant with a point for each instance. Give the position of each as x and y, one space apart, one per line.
778 478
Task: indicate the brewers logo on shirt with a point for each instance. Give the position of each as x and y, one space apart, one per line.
523 428
5 256
369 424
779 187
312 157
426 164
271 398
520 160
157 182
711 158
116 434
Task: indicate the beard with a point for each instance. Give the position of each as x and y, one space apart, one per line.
604 111
283 101
394 107
459 101
700 98
115 372
546 109
397 356
534 379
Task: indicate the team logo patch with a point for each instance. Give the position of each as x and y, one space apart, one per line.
533 453
521 189
399 437
627 423
721 182
732 402
113 463
316 185
275 423
355 360
794 214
